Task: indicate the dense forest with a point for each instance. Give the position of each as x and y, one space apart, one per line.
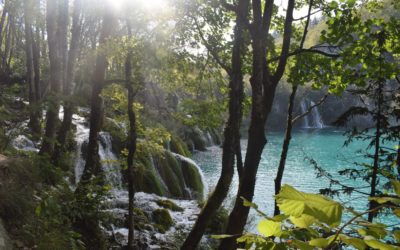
199 124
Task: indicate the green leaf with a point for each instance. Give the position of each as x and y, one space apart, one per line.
302 245
375 244
396 186
270 228
295 203
303 221
319 242
355 242
221 236
247 203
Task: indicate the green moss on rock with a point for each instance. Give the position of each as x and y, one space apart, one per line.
193 178
169 205
163 220
177 145
146 178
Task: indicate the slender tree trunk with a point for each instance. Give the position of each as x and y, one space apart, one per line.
231 135
2 21
285 147
34 115
92 166
53 10
7 44
69 77
263 86
132 136
375 168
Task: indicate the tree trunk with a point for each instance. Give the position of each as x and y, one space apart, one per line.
375 168
285 147
263 92
132 136
231 135
53 25
69 77
92 166
34 113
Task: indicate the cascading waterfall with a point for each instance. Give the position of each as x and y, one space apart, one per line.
313 119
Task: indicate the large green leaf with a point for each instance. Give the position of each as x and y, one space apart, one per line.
302 245
396 186
303 221
375 244
355 242
319 242
296 203
270 228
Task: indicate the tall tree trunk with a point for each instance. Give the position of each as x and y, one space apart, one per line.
34 114
132 136
285 147
54 8
2 21
69 77
92 166
375 168
263 86
290 121
89 226
231 134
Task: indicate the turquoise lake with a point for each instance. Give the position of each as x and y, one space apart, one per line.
323 145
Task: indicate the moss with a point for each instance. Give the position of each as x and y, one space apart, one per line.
169 205
193 179
163 220
177 145
117 134
146 179
168 169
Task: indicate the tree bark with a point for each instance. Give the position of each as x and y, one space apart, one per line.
231 134
73 52
54 27
285 147
263 86
92 166
34 113
375 168
132 136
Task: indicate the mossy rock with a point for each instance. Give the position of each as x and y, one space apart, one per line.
169 169
146 178
169 205
177 145
117 134
163 220
193 179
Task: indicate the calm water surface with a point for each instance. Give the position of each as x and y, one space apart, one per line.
323 145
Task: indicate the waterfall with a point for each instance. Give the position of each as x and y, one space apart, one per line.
108 159
303 106
313 119
317 119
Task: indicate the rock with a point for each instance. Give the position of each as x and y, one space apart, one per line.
163 219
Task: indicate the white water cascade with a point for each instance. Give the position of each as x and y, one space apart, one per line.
313 119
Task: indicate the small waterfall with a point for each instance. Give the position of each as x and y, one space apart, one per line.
303 107
317 119
313 119
21 142
109 160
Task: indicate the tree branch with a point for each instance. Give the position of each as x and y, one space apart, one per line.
304 17
322 100
211 50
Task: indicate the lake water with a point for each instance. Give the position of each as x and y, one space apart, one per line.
323 145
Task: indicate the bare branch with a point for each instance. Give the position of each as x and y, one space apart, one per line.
304 17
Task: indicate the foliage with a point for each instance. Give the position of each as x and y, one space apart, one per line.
313 221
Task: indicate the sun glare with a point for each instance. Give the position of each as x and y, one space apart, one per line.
148 5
